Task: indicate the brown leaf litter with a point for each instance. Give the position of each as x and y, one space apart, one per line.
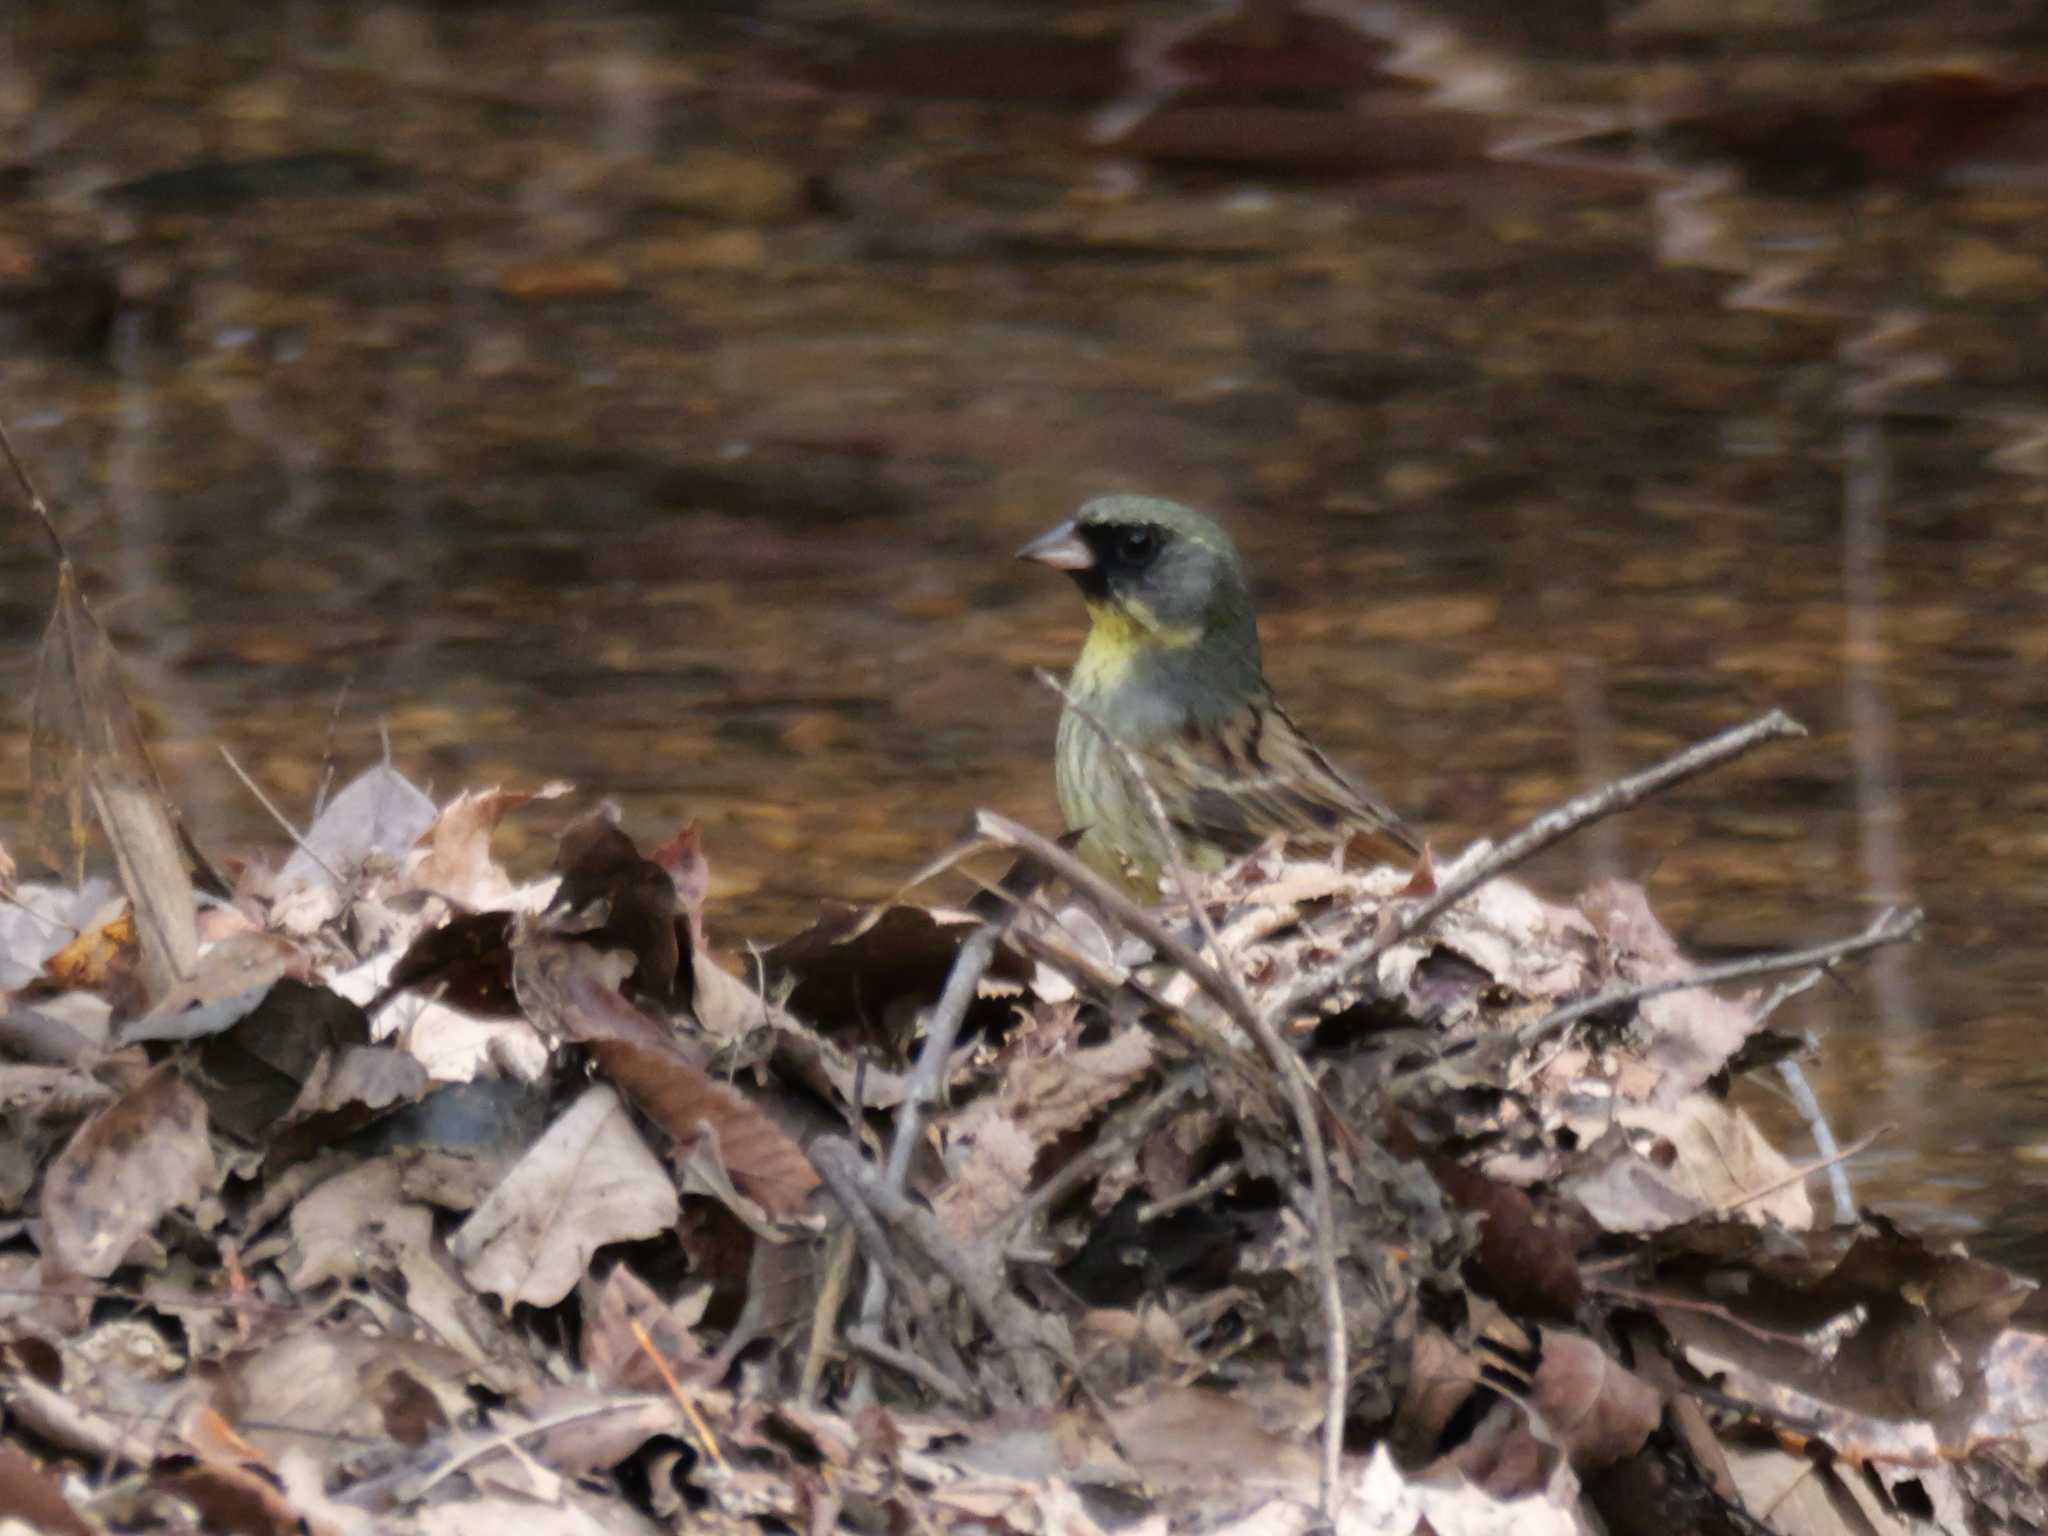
407 1197
606 1265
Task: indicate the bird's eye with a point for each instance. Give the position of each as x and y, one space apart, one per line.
1137 545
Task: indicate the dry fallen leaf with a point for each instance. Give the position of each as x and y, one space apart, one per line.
1201 1439
131 1164
617 899
86 750
34 1496
312 1383
380 812
611 1349
102 958
1707 1155
1692 1033
226 984
1380 1501
589 1181
992 1144
571 988
1599 1411
458 863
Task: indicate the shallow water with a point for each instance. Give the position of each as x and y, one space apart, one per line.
654 399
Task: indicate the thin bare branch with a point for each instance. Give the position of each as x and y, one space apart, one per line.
281 819
511 1438
1295 1083
919 1370
874 1242
1146 925
683 1399
926 1087
36 504
1891 927
927 1084
1128 1134
1801 1174
1015 1326
1219 1180
1807 1102
1482 864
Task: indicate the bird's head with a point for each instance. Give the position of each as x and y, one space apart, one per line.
1156 576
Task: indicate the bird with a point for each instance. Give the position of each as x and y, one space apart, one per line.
1171 668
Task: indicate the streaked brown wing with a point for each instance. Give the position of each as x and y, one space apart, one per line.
1238 781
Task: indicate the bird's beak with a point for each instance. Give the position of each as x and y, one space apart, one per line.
1062 548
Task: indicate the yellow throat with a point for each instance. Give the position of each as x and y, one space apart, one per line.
1118 634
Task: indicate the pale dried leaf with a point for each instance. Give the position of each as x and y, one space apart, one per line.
571 990
305 1484
725 1006
614 1428
612 1352
456 1047
52 1093
1625 1191
378 812
1441 1377
327 1223
1801 1498
226 985
1275 1517
1534 948
1724 1162
1193 1438
373 1076
499 1514
132 1163
589 1181
457 863
303 1389
151 859
1599 1411
356 1225
1690 1034
994 1159
1380 1501
992 1144
39 920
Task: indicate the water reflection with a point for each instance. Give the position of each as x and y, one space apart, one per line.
654 398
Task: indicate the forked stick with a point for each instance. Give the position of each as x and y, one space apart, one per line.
1480 865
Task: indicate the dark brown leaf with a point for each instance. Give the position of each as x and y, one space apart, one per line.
631 904
255 1072
698 1111
226 985
34 1497
467 961
1529 1252
564 984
